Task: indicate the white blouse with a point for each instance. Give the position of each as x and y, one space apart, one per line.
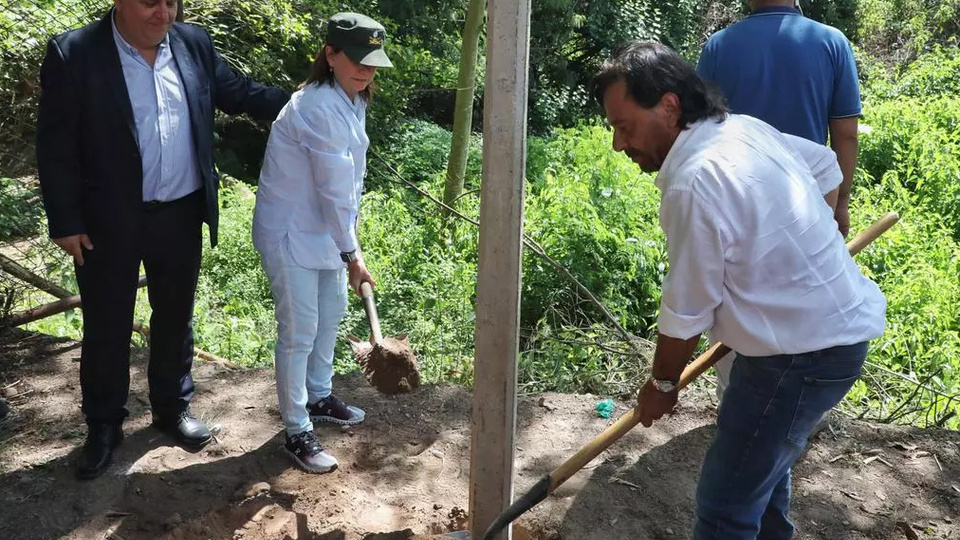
312 177
755 254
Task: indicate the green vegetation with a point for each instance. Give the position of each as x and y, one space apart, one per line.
22 212
589 208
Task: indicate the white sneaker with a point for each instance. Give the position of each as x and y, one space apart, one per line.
332 409
307 453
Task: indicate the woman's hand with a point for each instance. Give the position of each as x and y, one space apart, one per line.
357 273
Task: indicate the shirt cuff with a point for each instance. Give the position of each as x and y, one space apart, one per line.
672 324
346 242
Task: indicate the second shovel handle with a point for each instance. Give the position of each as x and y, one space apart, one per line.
370 306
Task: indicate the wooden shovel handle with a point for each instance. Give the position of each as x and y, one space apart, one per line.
629 420
370 306
693 370
872 232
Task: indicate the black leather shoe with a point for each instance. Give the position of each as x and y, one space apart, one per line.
185 428
97 453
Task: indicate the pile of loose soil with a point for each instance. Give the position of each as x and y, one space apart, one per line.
390 366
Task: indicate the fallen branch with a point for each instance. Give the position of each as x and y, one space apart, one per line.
920 385
73 301
594 343
912 381
852 495
144 331
47 310
615 480
907 530
16 270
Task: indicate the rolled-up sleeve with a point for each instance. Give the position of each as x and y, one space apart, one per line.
332 167
820 159
693 288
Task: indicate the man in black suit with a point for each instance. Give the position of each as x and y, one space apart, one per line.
125 159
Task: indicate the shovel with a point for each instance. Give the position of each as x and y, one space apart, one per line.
388 363
549 483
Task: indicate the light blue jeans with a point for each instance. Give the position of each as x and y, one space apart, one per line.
309 305
767 414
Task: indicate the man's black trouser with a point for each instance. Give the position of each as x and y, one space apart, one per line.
168 242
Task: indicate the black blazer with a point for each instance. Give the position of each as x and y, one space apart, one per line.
88 159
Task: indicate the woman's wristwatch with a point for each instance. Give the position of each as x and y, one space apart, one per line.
349 256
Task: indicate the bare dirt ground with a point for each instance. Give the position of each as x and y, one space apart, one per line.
405 471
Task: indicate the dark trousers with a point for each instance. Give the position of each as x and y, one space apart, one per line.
168 242
767 413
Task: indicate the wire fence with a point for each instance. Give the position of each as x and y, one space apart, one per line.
32 269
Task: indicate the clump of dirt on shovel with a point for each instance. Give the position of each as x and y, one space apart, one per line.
390 366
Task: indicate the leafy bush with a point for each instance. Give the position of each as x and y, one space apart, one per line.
598 216
588 207
25 28
234 308
426 278
273 41
932 74
22 211
841 14
902 29
917 141
419 151
917 266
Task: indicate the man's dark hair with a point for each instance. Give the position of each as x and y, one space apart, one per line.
650 70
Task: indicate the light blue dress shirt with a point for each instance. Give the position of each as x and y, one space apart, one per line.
162 117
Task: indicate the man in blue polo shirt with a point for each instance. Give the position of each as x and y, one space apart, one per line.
795 74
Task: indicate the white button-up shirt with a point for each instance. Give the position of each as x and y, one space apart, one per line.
312 177
755 254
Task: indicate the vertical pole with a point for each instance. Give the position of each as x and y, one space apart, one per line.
498 271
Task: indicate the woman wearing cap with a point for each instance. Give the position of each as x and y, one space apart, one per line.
305 226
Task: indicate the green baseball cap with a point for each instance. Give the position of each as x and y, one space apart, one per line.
359 37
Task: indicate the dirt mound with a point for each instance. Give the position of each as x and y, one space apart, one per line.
405 471
390 366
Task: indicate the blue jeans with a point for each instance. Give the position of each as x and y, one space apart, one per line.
767 413
309 306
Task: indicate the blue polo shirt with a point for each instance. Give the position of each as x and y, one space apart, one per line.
785 69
